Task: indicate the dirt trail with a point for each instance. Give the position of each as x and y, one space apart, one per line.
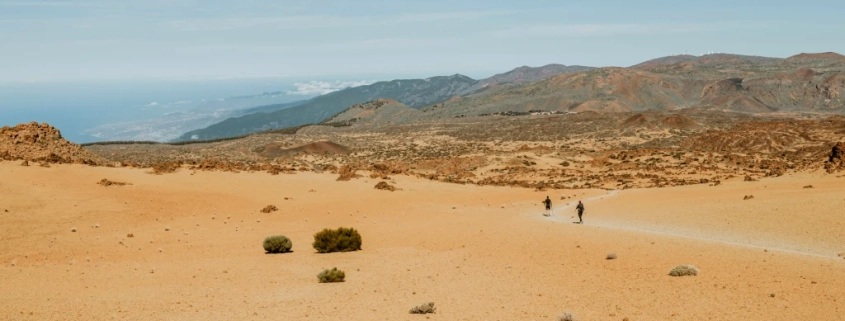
644 222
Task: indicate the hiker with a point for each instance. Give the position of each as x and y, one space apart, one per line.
548 203
580 209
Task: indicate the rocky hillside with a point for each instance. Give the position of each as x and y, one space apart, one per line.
412 92
805 83
416 93
41 143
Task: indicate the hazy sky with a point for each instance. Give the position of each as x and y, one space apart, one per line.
210 39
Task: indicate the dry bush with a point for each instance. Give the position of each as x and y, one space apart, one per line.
684 270
165 168
277 244
424 308
566 316
347 173
330 276
385 186
339 240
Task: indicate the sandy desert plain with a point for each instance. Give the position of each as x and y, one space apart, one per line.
468 236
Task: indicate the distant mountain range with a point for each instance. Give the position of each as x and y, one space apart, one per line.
801 83
416 93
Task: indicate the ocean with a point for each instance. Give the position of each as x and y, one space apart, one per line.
74 107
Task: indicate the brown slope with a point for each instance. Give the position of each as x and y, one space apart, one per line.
817 56
376 111
709 59
799 90
274 150
679 122
604 89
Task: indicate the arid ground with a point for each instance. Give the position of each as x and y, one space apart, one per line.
477 252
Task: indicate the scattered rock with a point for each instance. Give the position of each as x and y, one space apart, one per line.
73 229
611 256
808 186
269 209
747 197
385 186
25 163
130 235
749 179
106 182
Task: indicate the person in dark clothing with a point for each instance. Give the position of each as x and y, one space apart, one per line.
548 203
580 210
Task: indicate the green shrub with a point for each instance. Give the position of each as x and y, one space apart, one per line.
333 275
339 240
684 270
277 244
424 308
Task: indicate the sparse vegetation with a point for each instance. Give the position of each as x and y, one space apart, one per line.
277 244
424 308
566 316
331 276
339 240
684 270
385 186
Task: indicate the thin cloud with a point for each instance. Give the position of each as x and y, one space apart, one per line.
50 4
592 30
314 87
322 21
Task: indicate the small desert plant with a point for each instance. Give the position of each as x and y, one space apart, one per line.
566 316
424 308
329 276
339 240
277 244
684 270
611 256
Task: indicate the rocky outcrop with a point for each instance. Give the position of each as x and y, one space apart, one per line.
836 161
42 143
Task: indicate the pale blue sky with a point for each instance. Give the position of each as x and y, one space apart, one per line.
193 39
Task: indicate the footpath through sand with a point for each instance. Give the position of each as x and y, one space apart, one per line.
645 217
